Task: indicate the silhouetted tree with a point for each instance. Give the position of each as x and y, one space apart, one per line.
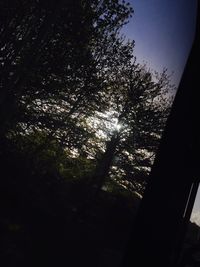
139 105
53 58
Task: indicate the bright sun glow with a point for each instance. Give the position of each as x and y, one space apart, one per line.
105 123
116 125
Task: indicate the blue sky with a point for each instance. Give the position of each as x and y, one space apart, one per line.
163 31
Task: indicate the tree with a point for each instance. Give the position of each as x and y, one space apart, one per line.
54 55
65 64
139 105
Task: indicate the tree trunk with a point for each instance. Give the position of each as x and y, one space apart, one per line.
105 163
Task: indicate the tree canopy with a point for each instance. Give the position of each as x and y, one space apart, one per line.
70 75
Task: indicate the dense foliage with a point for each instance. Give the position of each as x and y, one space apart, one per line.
66 68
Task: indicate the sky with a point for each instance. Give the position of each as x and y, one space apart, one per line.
163 31
195 217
